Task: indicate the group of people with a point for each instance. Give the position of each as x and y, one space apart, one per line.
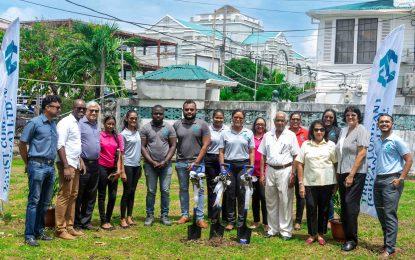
312 164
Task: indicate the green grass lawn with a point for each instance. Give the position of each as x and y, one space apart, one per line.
160 241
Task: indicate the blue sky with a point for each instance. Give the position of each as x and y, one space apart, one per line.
145 11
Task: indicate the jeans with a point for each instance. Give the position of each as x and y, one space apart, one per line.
350 204
152 175
129 187
104 182
183 175
41 180
386 202
317 202
87 194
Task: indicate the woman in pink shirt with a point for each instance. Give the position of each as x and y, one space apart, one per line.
110 169
259 128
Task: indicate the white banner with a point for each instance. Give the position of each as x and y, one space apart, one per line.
380 99
9 77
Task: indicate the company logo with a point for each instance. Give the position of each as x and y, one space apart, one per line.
385 73
8 57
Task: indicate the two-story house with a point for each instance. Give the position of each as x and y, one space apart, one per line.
348 37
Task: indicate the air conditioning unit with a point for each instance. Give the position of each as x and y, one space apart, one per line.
408 83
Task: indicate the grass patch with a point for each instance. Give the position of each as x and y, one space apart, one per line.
159 241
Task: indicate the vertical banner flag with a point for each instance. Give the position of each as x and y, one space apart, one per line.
380 99
9 77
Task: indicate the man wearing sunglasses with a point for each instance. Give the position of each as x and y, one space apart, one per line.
88 181
42 138
69 167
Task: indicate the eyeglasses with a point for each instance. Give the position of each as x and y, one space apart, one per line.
94 110
81 108
57 107
319 130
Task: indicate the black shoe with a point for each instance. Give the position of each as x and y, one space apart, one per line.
165 220
44 237
268 235
90 227
285 238
149 220
349 246
31 242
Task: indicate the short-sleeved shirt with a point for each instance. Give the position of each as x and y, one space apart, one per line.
389 154
318 160
132 147
89 139
190 138
236 145
301 135
358 137
258 155
42 137
279 151
69 136
215 139
157 137
109 146
334 134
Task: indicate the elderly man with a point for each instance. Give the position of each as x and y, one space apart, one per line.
41 136
193 137
278 149
88 182
69 166
394 160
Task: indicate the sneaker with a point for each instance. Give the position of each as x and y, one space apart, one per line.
202 224
65 235
44 237
183 220
75 232
149 220
31 242
165 220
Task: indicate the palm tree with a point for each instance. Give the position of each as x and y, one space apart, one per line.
95 58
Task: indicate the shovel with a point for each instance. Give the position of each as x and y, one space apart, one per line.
243 232
216 229
194 232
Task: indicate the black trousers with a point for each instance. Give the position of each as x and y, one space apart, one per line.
235 193
259 203
299 203
129 187
350 204
212 168
317 202
87 194
104 182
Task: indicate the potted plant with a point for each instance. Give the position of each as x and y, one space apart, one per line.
50 213
336 225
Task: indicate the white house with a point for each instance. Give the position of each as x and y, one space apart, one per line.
348 37
4 24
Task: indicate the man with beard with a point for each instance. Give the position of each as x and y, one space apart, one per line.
394 160
158 143
69 167
193 141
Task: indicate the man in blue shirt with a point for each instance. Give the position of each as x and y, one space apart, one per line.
394 160
41 136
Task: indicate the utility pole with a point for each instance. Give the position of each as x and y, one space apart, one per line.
224 39
256 77
213 42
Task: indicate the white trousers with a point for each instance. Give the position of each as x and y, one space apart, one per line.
279 200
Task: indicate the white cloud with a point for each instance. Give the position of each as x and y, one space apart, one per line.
23 13
309 45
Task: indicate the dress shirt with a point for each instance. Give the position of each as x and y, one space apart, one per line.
69 137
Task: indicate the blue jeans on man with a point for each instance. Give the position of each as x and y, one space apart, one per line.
152 175
41 180
183 175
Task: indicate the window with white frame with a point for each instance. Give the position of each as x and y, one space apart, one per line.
344 41
367 40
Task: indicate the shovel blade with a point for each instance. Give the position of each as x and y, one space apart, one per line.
244 234
216 230
194 232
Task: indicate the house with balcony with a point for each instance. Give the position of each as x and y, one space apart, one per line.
348 37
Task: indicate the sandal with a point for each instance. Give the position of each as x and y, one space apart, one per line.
310 240
125 224
321 241
107 228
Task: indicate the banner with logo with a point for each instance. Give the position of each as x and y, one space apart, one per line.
380 99
9 77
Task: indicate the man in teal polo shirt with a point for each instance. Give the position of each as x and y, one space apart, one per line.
394 160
